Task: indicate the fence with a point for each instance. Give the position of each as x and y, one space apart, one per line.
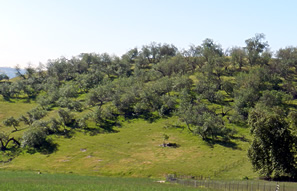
236 185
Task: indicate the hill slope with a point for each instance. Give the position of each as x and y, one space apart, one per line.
155 111
135 151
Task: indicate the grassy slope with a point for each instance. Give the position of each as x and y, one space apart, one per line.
134 151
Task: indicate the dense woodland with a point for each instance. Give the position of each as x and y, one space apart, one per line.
206 87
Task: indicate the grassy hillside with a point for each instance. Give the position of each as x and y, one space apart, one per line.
134 150
155 111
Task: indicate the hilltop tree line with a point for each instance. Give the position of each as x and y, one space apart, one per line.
205 86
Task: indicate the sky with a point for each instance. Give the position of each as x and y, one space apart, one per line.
33 31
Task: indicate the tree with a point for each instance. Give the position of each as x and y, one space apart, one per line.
272 151
207 87
3 77
5 140
68 90
274 98
30 71
19 72
33 115
255 47
5 90
35 138
193 57
200 120
211 50
171 66
238 56
285 62
100 95
66 117
61 69
87 81
247 90
11 122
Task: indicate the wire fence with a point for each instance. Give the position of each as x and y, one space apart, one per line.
236 185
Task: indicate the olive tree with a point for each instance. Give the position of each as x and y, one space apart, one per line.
11 122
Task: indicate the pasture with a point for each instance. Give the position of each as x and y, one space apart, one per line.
32 181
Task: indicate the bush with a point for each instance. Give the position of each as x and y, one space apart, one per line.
35 137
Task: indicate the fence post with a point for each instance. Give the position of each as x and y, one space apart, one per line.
195 184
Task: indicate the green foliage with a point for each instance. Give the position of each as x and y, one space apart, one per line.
205 87
201 121
68 90
33 115
35 137
285 62
5 91
273 148
255 47
66 117
274 98
3 77
5 140
238 57
11 122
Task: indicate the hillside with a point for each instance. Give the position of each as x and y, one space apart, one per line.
134 150
155 111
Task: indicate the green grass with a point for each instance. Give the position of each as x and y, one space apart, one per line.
135 151
29 181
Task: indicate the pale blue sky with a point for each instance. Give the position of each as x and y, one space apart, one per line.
37 30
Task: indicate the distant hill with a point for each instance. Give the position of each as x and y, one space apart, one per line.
10 72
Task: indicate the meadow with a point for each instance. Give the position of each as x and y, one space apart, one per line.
134 150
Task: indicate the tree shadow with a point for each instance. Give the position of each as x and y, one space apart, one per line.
148 116
292 106
7 157
66 133
279 178
105 127
47 147
241 138
170 145
8 99
224 143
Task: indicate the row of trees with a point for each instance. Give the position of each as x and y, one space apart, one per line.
204 86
